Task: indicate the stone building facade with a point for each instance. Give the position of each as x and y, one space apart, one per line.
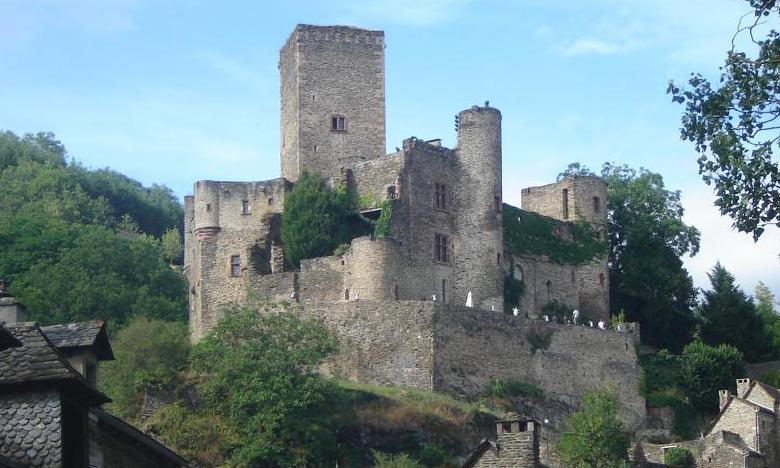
400 297
743 435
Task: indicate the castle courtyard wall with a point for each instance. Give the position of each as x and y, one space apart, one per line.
460 350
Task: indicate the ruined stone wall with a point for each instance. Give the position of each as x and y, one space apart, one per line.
578 204
31 429
544 281
374 177
335 71
230 219
593 288
472 347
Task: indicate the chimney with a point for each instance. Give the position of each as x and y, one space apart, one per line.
742 387
11 310
723 397
518 441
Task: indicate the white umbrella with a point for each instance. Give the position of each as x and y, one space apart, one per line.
469 302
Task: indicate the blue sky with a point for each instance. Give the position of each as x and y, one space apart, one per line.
172 91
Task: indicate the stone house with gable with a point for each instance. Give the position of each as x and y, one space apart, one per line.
50 408
743 435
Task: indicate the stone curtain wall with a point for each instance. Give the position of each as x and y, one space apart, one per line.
548 199
472 347
335 70
459 350
381 342
30 429
536 272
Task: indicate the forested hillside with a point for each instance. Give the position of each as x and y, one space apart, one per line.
79 244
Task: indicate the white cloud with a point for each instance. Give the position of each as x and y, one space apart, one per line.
749 262
589 46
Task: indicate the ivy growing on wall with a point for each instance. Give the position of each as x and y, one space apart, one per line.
528 232
382 227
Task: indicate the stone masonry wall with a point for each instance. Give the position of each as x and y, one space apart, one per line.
544 281
381 342
459 350
31 429
739 418
335 71
472 347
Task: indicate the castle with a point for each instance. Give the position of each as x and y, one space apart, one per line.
398 301
445 238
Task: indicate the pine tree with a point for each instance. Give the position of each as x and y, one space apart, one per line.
731 318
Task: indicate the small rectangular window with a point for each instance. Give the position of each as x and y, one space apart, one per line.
565 203
440 248
440 196
245 207
444 290
235 265
208 207
338 123
596 205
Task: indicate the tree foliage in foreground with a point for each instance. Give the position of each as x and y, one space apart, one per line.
647 238
257 369
149 354
314 220
733 123
596 438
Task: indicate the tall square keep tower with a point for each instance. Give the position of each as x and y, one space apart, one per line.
332 99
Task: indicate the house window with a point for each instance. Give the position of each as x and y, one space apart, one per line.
338 123
565 203
440 196
440 248
596 205
245 209
235 265
444 290
497 204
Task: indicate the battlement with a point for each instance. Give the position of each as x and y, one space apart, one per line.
310 32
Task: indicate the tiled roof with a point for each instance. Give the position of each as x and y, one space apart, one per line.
128 431
37 360
80 335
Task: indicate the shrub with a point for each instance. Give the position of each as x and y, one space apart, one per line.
679 457
707 369
539 341
432 455
596 439
149 354
499 388
401 460
314 219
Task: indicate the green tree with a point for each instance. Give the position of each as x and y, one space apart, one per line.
679 457
707 369
733 123
575 169
149 354
402 460
171 245
314 219
730 317
258 373
597 438
647 238
765 303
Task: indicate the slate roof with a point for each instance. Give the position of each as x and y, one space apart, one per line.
476 455
74 335
37 360
133 435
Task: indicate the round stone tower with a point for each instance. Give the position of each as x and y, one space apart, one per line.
206 209
479 245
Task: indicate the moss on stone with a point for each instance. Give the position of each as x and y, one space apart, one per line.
382 227
532 233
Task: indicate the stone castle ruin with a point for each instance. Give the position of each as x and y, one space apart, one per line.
397 301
